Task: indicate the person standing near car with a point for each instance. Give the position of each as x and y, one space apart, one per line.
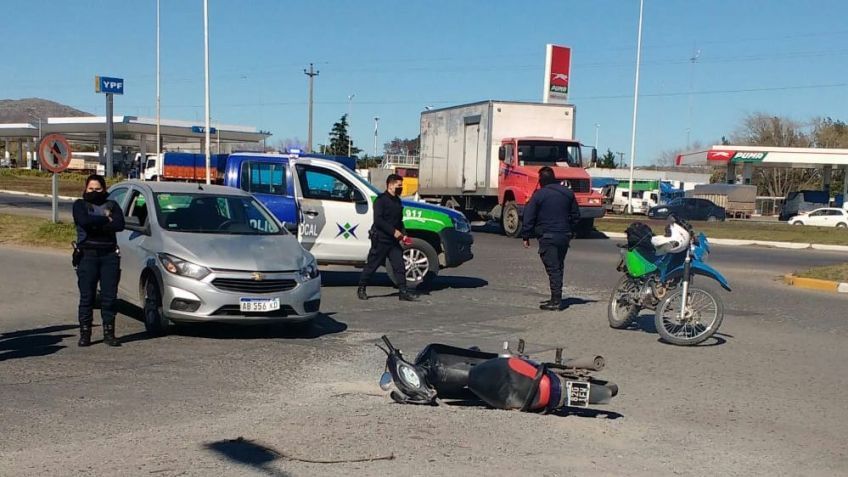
387 234
97 257
551 215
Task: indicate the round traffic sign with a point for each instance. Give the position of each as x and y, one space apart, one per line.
54 153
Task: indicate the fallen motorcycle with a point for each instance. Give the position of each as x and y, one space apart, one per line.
659 274
504 381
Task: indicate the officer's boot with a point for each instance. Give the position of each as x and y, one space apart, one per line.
85 335
555 304
360 293
406 295
109 335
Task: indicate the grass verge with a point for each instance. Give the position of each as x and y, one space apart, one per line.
836 273
28 180
776 232
32 231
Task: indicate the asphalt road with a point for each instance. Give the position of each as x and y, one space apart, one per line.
763 398
34 206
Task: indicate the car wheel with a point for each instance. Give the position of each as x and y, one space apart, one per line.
798 223
155 322
421 263
712 218
841 225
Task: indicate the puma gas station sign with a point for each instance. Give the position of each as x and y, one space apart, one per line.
557 71
736 157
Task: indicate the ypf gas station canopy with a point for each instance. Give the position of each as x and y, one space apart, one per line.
132 131
771 157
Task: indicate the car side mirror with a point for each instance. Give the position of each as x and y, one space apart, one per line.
291 227
359 198
501 153
133 223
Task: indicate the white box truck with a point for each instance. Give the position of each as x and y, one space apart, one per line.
484 158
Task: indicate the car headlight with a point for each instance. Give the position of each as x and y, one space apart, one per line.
461 225
310 271
181 267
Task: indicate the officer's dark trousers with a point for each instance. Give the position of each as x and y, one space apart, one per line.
103 266
552 250
380 249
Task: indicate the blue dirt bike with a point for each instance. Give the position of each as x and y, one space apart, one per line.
686 313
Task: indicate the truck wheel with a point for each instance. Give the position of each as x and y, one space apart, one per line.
511 220
585 228
421 262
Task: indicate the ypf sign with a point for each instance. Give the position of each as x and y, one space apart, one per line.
54 153
107 85
557 74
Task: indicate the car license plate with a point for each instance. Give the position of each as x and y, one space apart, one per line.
259 305
578 393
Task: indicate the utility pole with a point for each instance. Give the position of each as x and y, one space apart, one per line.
620 159
376 120
597 129
635 107
206 70
692 60
311 73
158 112
349 137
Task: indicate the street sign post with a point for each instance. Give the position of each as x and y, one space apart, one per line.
54 153
109 86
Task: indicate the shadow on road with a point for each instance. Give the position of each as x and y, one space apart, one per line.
351 279
323 325
249 453
33 342
646 324
495 228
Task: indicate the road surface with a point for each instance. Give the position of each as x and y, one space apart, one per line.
766 397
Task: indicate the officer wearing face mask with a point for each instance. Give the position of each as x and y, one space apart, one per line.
387 234
97 258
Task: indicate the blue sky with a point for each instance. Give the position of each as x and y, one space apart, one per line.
780 57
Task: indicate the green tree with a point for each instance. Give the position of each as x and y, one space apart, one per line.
340 140
607 161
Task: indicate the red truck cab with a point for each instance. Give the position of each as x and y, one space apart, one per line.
518 177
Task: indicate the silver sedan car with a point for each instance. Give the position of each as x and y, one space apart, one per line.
195 253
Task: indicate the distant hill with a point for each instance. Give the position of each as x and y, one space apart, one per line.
19 110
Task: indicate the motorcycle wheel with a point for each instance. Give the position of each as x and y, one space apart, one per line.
702 318
622 315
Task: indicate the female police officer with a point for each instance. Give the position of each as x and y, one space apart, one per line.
97 219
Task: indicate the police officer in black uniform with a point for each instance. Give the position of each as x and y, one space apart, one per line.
551 215
97 258
386 235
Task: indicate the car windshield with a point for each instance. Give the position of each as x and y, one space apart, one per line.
549 153
214 214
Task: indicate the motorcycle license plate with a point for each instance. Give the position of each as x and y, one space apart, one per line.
578 393
259 305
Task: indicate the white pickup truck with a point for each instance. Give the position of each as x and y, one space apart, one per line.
331 209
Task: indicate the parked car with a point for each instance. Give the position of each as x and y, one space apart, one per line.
194 253
689 208
824 217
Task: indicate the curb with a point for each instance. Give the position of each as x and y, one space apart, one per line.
34 194
816 284
761 243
